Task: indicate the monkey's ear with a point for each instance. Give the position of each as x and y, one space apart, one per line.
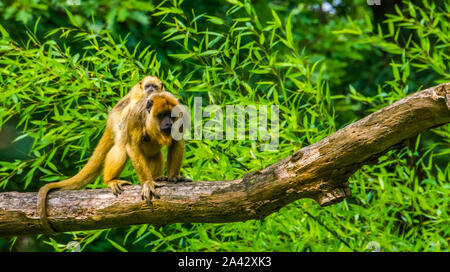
149 105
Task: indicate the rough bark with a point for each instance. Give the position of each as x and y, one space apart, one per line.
319 171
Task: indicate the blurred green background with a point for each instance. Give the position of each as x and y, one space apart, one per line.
64 64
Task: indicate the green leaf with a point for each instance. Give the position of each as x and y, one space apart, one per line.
72 18
215 20
117 246
235 2
276 18
5 34
261 39
290 39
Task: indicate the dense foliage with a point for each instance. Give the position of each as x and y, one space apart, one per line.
64 64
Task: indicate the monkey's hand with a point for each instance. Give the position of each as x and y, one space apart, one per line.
116 186
175 179
149 192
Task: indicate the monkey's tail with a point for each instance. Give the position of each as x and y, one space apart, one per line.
88 173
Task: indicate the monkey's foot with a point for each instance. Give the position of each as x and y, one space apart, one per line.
116 186
149 192
175 179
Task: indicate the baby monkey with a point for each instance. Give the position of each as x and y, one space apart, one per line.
137 128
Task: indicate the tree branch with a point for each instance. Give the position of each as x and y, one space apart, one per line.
319 171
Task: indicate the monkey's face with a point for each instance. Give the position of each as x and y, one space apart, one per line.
151 84
160 121
165 122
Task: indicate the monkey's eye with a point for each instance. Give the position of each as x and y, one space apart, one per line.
150 87
164 114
